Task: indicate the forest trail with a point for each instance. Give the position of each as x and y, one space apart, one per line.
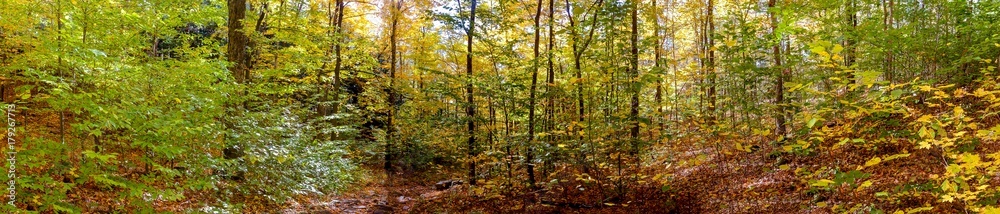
707 182
376 194
704 181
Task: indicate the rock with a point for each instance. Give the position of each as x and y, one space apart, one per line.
403 199
443 185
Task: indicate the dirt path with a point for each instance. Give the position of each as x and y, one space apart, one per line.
739 182
376 196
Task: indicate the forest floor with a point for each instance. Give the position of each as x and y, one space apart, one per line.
701 180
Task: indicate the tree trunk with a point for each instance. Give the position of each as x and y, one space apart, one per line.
779 85
531 103
549 89
578 51
849 56
389 130
658 97
470 107
711 63
634 67
236 53
887 24
338 61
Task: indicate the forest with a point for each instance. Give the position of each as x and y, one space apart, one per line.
500 106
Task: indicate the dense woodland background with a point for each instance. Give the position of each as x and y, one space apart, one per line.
351 106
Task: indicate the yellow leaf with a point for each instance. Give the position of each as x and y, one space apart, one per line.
924 145
837 49
924 119
822 183
821 204
921 209
784 167
864 185
946 186
947 198
873 161
979 92
959 112
730 42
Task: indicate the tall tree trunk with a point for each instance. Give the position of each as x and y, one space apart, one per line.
338 61
236 54
703 52
470 107
658 97
531 102
635 87
887 24
849 56
334 17
779 85
711 63
549 89
390 127
674 61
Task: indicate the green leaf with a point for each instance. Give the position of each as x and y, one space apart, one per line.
100 157
895 94
812 122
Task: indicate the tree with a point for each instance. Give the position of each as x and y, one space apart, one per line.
635 86
579 48
240 69
712 76
470 107
779 85
337 36
529 156
397 6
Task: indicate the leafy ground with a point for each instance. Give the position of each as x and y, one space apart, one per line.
702 180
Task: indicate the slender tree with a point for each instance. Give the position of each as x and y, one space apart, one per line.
550 86
657 51
709 37
779 85
578 50
338 39
529 156
390 127
470 107
849 46
635 87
